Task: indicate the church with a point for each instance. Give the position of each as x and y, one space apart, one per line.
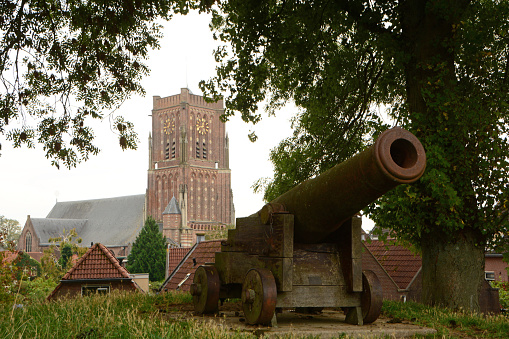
188 185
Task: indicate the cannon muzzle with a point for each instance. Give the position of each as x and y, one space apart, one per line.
322 204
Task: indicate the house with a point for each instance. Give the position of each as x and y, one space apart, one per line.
182 276
399 272
97 271
397 268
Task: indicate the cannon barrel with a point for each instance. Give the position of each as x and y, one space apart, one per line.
322 204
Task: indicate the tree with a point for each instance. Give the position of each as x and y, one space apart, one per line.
148 254
63 63
10 231
67 245
442 69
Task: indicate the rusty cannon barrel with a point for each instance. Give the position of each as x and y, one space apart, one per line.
322 204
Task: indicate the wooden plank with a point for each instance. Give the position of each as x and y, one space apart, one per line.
233 266
317 268
348 238
318 296
273 240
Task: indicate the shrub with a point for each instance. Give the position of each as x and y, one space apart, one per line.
503 292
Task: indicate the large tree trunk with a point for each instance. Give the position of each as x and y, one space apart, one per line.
452 266
452 270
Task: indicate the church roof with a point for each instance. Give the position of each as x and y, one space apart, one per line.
172 207
47 228
112 221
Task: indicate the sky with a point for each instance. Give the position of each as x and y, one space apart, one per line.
29 185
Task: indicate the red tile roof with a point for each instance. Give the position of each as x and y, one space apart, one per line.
97 263
175 256
36 255
8 256
399 262
204 252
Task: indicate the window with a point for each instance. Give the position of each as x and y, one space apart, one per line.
167 151
200 238
204 151
489 275
173 150
95 289
28 242
197 149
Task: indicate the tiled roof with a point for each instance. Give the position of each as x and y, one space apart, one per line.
97 263
204 252
36 255
399 262
175 256
9 256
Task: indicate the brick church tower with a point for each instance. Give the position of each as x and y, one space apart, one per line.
189 180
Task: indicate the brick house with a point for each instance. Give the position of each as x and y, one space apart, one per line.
97 271
182 276
399 272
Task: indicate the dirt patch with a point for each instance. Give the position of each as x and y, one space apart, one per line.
327 324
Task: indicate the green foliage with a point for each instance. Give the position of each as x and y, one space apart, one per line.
68 244
449 324
63 63
27 266
10 230
503 292
117 315
148 254
343 62
36 290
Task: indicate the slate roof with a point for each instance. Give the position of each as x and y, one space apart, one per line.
172 207
399 262
47 228
203 252
112 221
97 263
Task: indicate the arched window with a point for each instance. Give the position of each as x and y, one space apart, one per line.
28 242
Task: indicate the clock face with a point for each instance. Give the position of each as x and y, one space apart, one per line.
202 126
169 125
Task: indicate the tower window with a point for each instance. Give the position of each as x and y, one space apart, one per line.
197 149
167 151
204 148
173 150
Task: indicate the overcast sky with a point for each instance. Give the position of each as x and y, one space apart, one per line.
29 185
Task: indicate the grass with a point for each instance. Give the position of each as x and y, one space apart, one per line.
118 315
134 315
448 324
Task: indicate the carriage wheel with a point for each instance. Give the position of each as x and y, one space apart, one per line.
371 298
259 294
205 290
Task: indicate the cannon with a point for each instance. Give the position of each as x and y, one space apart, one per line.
303 249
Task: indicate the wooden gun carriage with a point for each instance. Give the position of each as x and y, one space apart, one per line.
303 249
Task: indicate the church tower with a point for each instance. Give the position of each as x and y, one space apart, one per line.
188 159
